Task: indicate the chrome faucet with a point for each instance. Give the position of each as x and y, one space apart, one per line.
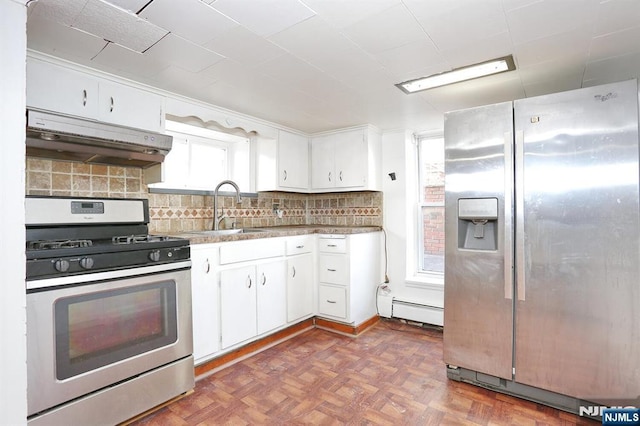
216 218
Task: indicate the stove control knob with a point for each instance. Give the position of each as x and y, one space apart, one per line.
61 265
154 255
86 263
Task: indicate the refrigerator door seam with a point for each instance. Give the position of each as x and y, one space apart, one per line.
520 244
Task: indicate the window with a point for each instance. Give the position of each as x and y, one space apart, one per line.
200 158
431 205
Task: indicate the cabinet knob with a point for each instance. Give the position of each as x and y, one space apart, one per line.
340 176
329 176
293 269
264 279
285 175
249 282
84 97
207 266
111 107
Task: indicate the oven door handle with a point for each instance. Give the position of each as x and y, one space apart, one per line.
107 275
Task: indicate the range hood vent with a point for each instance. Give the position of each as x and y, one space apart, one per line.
62 137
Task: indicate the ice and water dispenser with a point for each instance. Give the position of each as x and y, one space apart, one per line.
477 223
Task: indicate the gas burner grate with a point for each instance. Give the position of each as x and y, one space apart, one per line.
133 239
55 244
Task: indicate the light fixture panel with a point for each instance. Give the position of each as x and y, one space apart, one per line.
469 72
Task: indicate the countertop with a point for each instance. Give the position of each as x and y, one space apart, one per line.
277 231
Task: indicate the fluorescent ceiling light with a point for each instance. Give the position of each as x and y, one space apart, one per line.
494 66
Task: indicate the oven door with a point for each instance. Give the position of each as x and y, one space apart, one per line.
86 337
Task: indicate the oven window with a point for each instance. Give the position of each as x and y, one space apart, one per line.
97 329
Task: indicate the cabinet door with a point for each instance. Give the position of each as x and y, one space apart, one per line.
299 287
54 88
206 331
237 305
293 161
322 162
272 295
350 159
130 107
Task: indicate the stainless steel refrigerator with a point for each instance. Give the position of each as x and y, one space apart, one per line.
542 262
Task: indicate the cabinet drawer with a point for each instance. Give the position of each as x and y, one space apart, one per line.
333 269
337 244
332 301
242 251
299 245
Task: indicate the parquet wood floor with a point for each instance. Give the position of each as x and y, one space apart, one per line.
392 374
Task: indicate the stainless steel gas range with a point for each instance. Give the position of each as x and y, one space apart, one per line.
109 332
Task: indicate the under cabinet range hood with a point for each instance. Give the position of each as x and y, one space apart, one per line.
63 137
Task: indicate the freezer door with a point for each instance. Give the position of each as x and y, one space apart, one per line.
478 240
578 293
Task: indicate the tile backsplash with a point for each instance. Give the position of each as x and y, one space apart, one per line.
170 213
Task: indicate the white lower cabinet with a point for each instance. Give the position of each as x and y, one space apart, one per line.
272 295
204 292
300 287
238 305
348 275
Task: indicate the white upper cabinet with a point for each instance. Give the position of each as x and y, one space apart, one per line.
293 160
344 160
59 89
130 107
55 88
283 163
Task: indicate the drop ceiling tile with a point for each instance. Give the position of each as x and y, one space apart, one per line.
60 11
233 73
556 68
612 69
178 80
479 51
133 6
558 46
182 53
614 16
430 11
550 17
554 85
125 62
373 34
282 14
615 44
118 26
191 19
341 13
509 5
60 40
313 40
245 47
405 60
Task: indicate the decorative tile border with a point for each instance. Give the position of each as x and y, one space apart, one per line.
172 213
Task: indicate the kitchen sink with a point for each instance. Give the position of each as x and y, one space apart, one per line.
221 232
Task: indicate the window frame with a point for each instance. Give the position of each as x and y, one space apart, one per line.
422 278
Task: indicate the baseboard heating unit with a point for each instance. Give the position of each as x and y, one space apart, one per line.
417 312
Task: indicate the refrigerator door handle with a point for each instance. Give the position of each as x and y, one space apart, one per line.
508 215
519 188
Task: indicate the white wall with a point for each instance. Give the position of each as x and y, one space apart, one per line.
398 155
13 370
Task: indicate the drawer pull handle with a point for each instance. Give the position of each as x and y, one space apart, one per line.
331 301
264 279
332 245
84 97
207 266
111 107
285 175
293 268
299 247
249 282
331 270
